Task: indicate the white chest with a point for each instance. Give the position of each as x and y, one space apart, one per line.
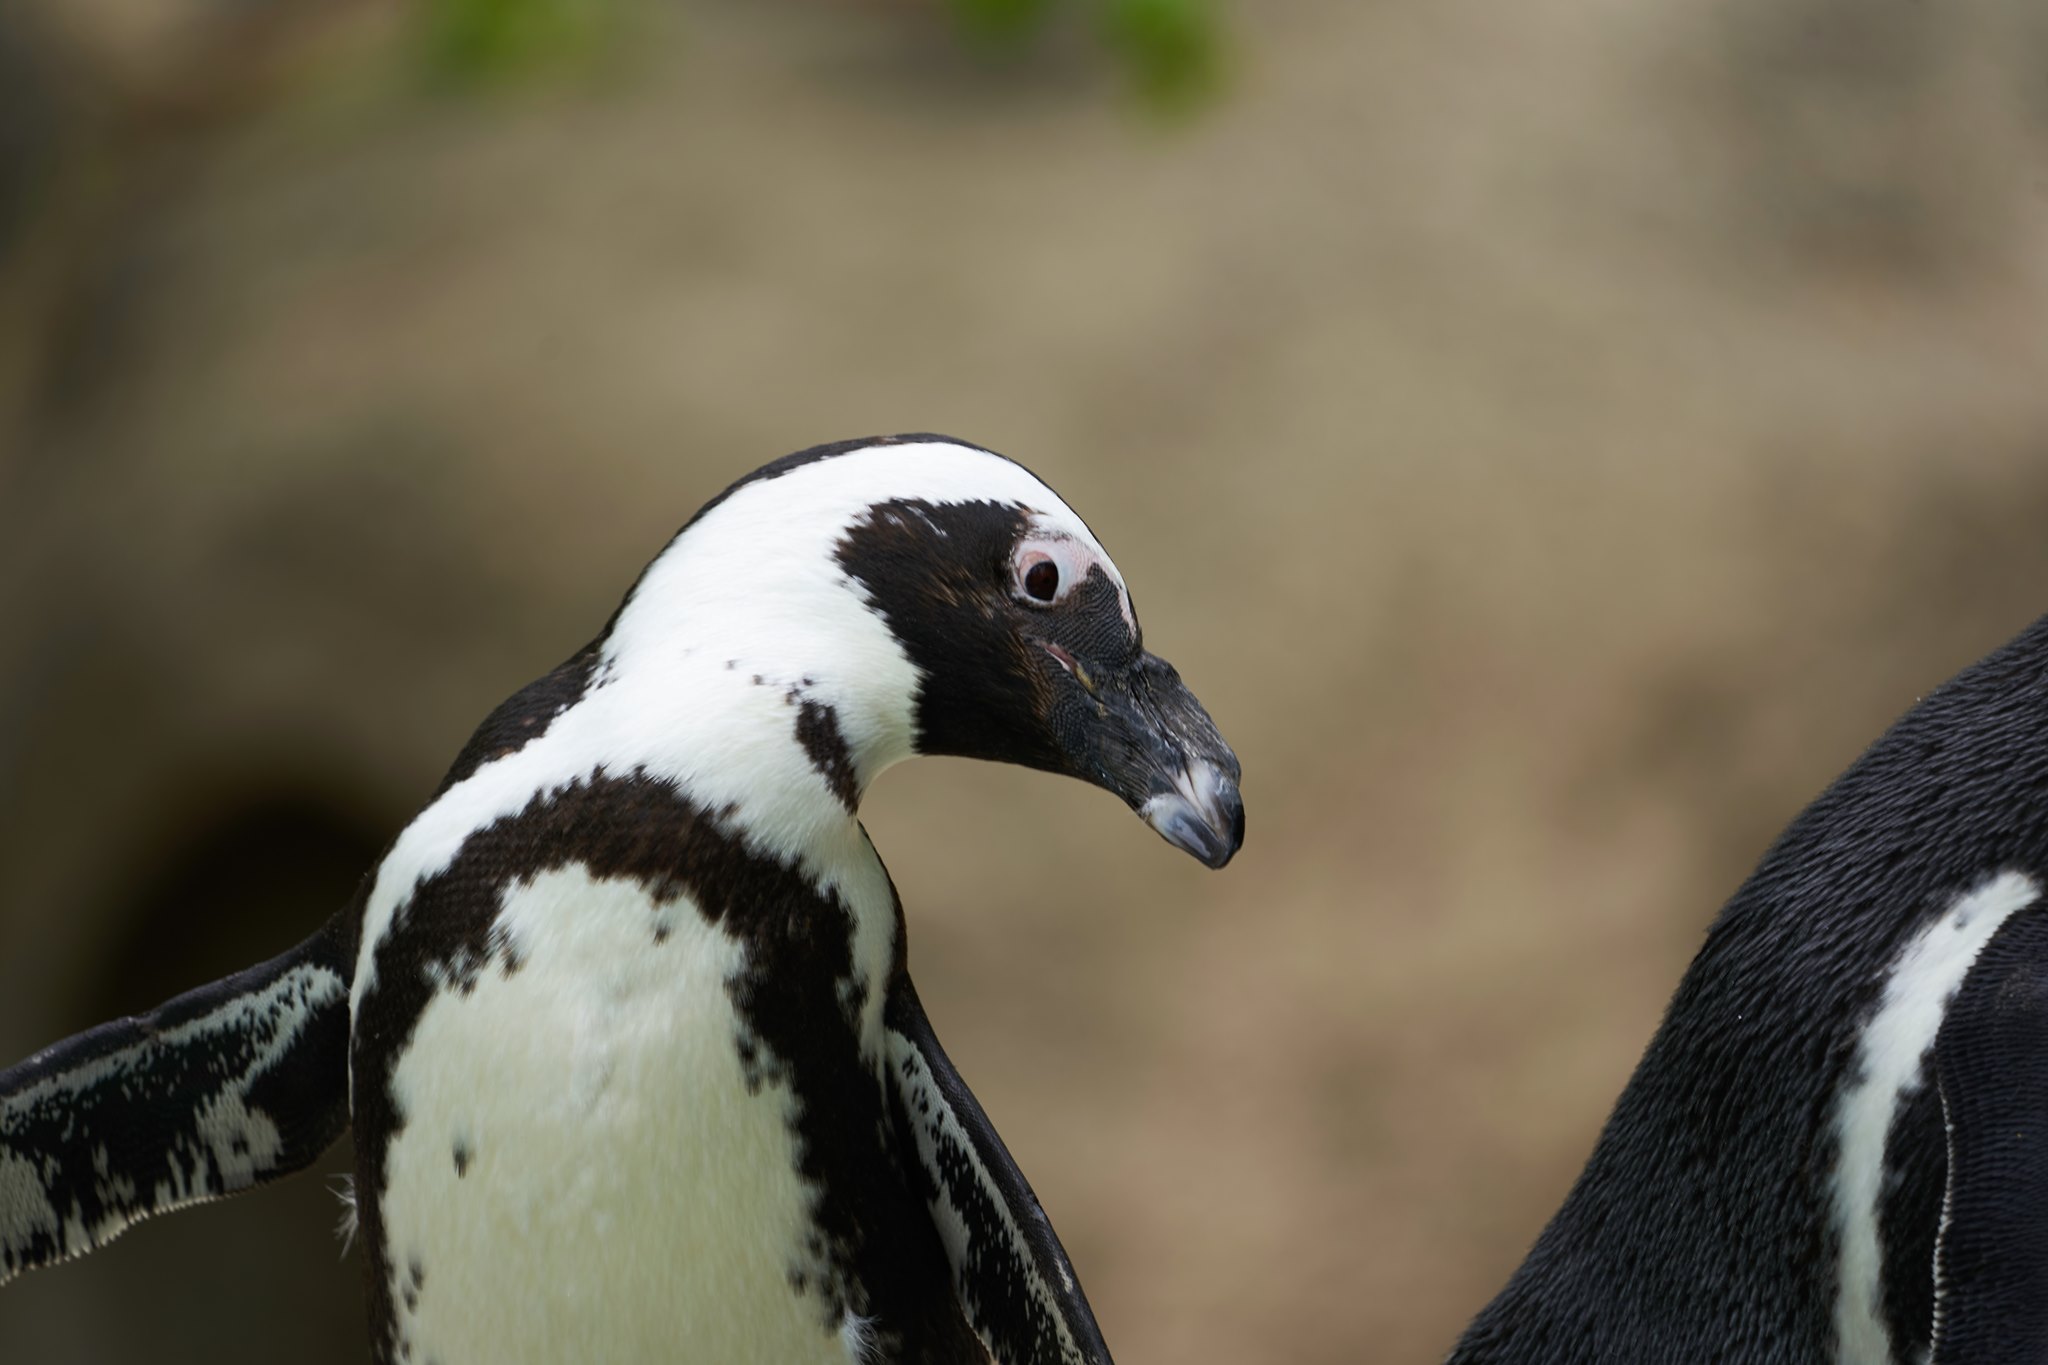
583 1172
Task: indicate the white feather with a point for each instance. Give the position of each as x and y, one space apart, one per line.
1923 980
345 1191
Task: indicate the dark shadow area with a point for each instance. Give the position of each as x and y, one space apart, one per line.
241 879
258 875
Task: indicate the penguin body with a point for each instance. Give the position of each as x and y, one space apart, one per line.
633 1059
1825 1152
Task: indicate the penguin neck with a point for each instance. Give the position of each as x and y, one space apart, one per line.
780 756
774 707
767 754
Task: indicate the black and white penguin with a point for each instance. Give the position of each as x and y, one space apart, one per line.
1835 1148
622 1020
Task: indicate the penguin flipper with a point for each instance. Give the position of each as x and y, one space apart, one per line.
1012 1275
1991 1060
222 1088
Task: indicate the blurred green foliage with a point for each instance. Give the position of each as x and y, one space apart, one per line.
1002 21
471 41
1170 48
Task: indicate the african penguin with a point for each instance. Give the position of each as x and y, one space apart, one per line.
1835 1148
623 1020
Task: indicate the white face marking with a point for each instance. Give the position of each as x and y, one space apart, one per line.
620 1184
1923 980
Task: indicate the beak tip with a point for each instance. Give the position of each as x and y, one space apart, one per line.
1211 833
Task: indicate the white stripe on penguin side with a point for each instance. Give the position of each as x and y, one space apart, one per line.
1923 980
933 1122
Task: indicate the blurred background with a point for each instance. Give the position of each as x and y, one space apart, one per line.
1553 439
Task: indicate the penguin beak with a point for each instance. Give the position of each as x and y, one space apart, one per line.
1146 738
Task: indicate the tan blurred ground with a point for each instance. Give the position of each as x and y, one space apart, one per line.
1552 438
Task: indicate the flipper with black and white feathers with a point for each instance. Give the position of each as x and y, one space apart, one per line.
1991 1059
1012 1276
221 1089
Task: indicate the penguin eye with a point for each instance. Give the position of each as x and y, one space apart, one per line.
1045 569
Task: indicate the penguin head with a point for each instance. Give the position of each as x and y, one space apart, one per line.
918 595
1028 651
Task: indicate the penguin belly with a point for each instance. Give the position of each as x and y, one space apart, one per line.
585 1169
